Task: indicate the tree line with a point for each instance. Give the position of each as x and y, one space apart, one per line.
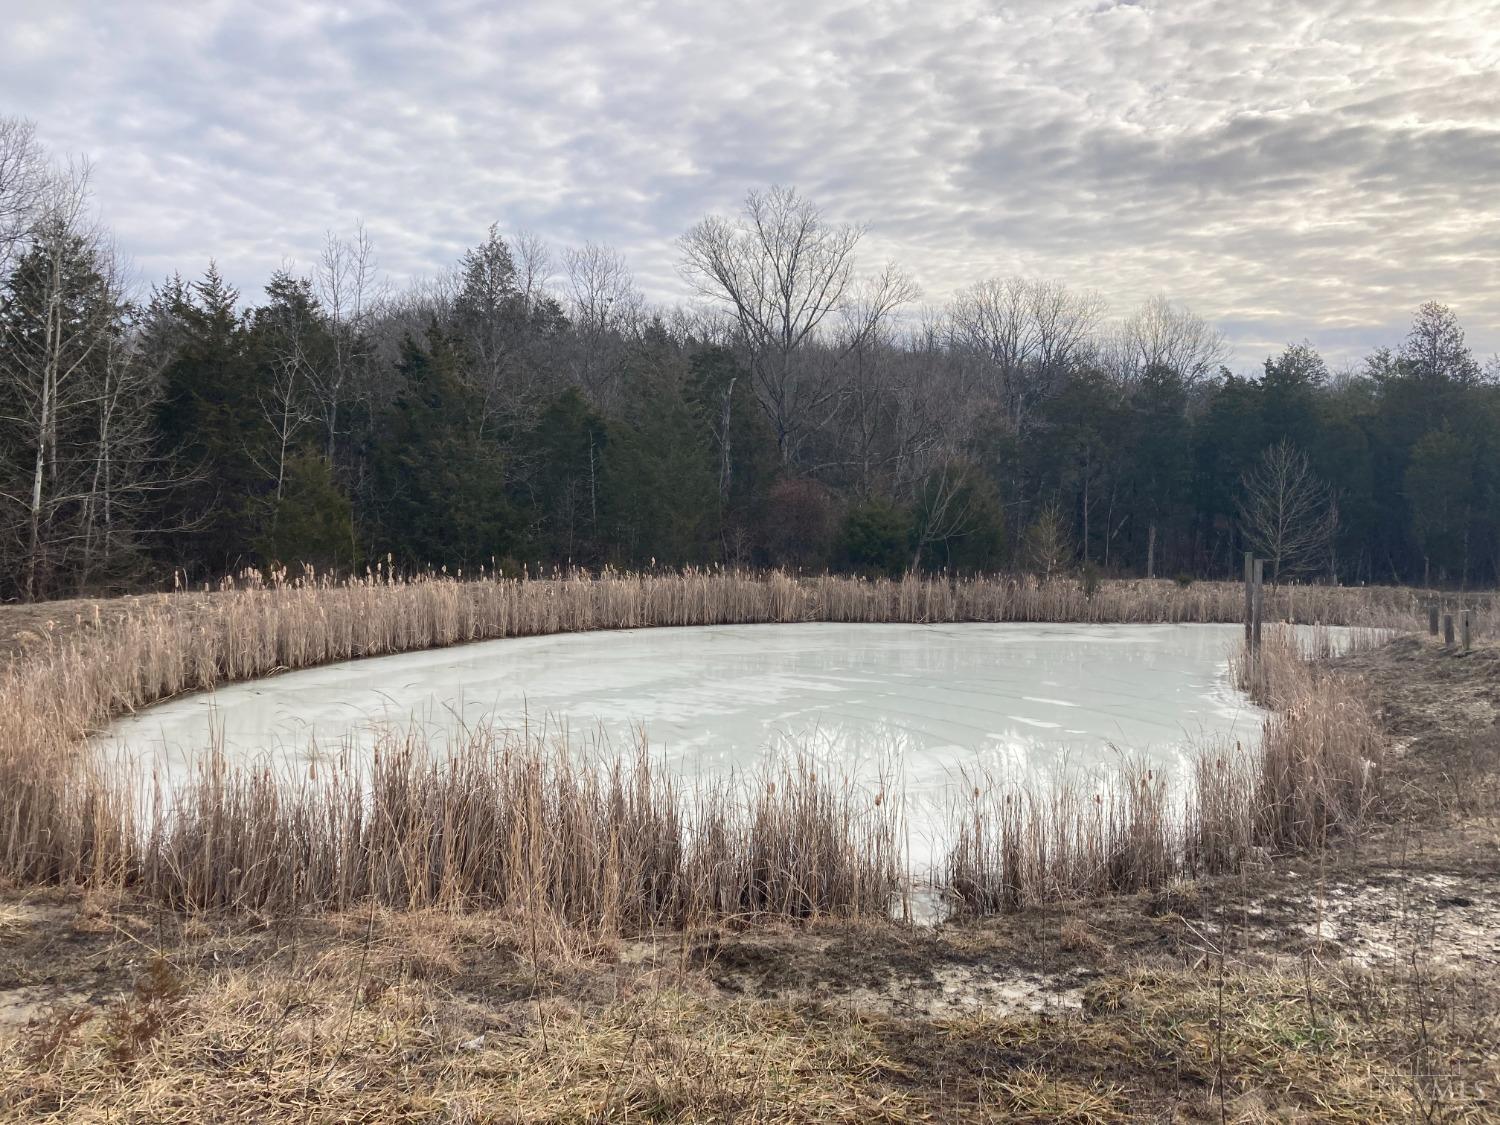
529 409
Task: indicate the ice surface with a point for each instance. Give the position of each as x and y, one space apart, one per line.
924 703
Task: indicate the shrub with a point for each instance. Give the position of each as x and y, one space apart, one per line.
799 522
875 540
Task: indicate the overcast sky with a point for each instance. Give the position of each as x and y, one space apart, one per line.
1286 169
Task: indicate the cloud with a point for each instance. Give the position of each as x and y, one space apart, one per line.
1291 170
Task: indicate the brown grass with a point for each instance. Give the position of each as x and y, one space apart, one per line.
1315 774
522 826
435 1016
619 845
1322 752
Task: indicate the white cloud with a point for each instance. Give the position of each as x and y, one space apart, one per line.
1292 170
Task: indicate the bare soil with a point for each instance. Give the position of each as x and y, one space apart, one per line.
1362 984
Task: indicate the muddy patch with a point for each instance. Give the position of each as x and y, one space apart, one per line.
24 1007
919 978
49 961
1445 919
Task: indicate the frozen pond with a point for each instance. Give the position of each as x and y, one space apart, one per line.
924 702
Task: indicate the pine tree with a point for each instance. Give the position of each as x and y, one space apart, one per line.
440 485
211 415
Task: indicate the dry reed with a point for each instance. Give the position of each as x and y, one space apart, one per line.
1315 774
521 826
501 822
1322 752
1020 844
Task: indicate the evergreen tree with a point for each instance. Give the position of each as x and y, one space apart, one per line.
313 521
439 484
1441 488
1289 392
211 415
661 489
1158 459
568 451
875 539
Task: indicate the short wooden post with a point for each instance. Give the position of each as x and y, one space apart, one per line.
1465 629
1448 629
1258 605
1432 617
1249 597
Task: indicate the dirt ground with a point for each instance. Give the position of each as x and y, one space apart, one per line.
1358 985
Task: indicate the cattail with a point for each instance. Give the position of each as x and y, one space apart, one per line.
415 811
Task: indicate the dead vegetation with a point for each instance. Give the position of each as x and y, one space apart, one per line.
1173 1005
1265 961
501 822
617 846
1315 775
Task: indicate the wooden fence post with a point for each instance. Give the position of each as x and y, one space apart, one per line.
1258 605
1448 629
1432 617
1465 629
1249 598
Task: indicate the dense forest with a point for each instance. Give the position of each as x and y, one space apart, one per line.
530 410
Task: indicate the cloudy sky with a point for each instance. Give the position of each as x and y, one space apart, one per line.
1290 170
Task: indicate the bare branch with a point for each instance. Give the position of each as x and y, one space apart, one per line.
1287 515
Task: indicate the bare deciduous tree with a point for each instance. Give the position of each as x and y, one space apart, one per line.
126 467
1166 335
24 176
282 404
534 265
783 271
1287 515
1026 334
945 509
352 293
895 405
605 308
56 318
77 395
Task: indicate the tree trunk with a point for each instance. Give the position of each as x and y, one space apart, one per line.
45 424
33 546
725 462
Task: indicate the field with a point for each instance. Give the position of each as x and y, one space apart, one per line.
1313 936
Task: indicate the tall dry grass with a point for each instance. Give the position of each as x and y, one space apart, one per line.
1315 775
510 823
516 825
1021 843
1322 752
